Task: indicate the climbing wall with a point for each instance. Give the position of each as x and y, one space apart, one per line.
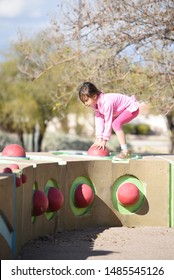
76 192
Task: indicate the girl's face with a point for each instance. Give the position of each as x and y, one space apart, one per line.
90 101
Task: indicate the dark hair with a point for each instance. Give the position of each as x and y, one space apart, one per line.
89 90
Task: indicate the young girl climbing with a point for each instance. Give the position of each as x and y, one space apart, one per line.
112 110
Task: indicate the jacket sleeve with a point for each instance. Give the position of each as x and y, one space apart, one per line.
108 117
99 124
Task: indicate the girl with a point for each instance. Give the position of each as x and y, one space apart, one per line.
112 110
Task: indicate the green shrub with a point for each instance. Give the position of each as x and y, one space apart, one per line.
139 129
142 129
129 128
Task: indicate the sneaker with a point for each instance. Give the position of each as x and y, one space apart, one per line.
123 155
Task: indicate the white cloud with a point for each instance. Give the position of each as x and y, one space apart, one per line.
28 8
29 16
11 8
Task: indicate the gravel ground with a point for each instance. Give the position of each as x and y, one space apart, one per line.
122 243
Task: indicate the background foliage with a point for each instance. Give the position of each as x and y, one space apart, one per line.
122 46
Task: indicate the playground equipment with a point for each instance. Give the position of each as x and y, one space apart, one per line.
90 191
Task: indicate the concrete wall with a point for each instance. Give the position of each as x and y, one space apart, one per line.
153 174
7 216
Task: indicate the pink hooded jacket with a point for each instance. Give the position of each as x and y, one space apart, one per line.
108 107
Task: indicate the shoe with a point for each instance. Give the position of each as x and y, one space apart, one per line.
123 155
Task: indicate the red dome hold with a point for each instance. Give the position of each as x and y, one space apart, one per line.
94 151
55 199
14 150
83 196
128 194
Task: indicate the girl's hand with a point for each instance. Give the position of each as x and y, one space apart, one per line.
100 144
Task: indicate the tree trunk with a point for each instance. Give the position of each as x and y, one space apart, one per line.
170 119
21 137
39 142
37 138
33 137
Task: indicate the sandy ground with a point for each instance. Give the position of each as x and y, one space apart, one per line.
147 243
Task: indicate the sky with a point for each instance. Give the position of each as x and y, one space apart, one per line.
28 16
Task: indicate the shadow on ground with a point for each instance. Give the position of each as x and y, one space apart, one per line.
66 245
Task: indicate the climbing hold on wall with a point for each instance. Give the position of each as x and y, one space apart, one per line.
14 166
55 199
13 150
6 170
128 194
83 196
40 203
93 151
23 178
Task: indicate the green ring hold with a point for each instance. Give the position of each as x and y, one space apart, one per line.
123 209
80 211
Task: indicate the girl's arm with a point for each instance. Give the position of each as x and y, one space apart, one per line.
99 125
100 143
108 119
99 128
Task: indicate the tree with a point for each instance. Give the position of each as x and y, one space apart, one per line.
109 41
24 105
106 32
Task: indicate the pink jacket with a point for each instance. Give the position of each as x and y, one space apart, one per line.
108 107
